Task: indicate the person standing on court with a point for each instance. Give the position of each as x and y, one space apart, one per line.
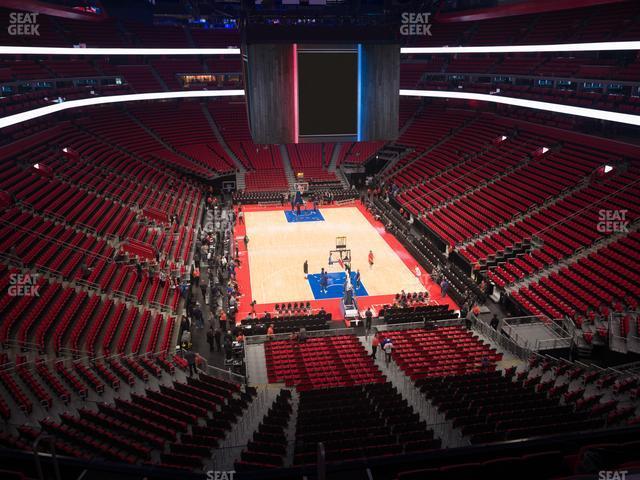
357 279
324 281
305 268
371 259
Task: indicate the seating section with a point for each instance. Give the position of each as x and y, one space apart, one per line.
484 191
609 273
61 319
363 421
440 351
286 323
312 160
357 152
489 407
419 313
176 425
268 445
320 362
192 138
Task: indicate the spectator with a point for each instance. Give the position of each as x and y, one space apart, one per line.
444 286
190 357
368 319
270 332
388 348
375 341
186 339
210 338
494 322
197 314
217 336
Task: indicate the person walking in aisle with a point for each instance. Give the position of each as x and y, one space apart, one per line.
190 357
217 336
368 316
444 286
375 341
210 338
388 348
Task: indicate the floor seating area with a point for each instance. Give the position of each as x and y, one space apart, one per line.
358 421
420 313
440 352
286 323
320 362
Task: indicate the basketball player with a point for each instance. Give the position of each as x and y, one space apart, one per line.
305 267
324 281
371 259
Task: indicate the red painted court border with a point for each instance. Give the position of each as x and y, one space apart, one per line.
243 276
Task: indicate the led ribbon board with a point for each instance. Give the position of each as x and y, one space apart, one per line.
518 102
87 102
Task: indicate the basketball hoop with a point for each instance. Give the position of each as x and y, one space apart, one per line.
302 187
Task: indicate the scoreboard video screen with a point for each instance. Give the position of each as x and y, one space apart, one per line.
304 93
327 92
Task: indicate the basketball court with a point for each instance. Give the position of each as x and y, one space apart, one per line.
272 271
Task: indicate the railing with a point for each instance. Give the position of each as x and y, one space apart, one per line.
86 356
53 240
88 228
225 375
255 339
506 343
553 343
124 296
413 325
